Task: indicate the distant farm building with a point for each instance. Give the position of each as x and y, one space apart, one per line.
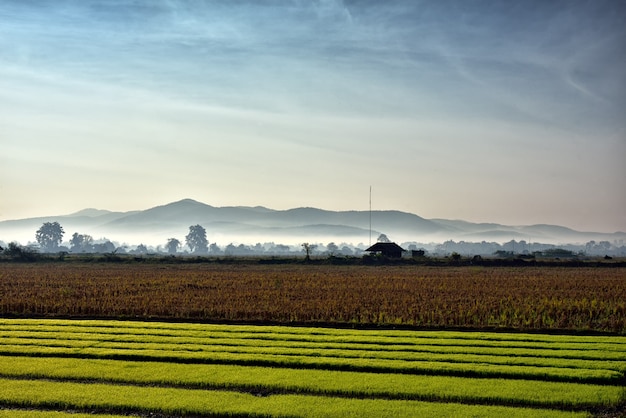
386 249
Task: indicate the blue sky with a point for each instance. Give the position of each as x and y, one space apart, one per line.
487 111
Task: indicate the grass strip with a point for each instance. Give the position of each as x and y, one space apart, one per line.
62 395
325 363
319 382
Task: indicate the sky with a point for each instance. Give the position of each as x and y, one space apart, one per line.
486 111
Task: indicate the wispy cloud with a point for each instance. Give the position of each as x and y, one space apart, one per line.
222 92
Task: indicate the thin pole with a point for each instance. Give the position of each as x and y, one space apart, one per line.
370 216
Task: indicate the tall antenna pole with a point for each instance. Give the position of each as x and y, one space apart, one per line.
370 216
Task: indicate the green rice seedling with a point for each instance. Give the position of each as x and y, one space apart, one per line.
62 395
207 350
329 363
239 339
609 358
135 330
542 371
365 341
319 382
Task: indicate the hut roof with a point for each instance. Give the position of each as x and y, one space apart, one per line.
384 247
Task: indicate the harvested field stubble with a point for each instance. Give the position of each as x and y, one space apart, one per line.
525 298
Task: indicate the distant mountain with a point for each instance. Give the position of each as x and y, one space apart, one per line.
91 212
242 224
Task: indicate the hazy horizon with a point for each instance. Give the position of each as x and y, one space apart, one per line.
102 209
508 112
253 225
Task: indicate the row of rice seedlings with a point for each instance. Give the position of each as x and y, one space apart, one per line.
319 382
124 398
299 349
341 350
326 363
576 359
118 330
308 334
436 353
587 351
208 350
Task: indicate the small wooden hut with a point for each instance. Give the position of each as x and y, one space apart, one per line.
386 249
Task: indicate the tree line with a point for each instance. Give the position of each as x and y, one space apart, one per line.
50 235
49 238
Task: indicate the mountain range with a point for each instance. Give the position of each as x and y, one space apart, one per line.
249 225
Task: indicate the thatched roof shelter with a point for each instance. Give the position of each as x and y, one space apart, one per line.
387 249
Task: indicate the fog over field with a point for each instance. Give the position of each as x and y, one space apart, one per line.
489 111
259 225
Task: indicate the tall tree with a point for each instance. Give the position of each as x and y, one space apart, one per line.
49 236
172 245
81 243
308 249
196 240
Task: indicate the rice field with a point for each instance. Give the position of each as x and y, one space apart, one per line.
327 341
61 368
580 299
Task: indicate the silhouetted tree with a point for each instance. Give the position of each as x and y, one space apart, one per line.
16 251
332 248
383 238
345 250
230 249
172 245
104 247
49 236
308 249
196 240
80 242
13 249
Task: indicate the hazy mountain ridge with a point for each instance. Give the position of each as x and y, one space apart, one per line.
91 212
244 224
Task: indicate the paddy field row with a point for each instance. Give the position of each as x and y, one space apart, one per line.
220 370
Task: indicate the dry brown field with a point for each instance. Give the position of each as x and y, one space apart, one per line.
523 298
